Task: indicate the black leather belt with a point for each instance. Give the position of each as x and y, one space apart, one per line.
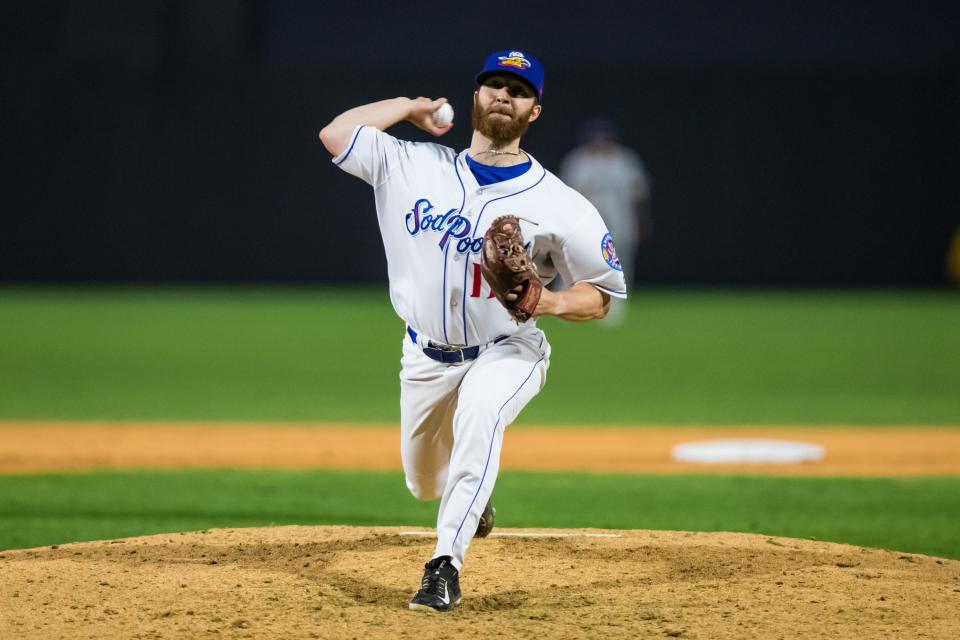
446 353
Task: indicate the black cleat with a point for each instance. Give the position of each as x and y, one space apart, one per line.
440 587
485 526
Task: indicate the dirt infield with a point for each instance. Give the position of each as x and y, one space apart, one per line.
72 446
350 582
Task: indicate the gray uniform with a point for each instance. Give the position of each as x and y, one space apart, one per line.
615 182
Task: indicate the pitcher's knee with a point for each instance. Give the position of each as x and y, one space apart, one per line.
424 487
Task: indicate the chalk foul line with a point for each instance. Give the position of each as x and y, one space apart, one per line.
525 534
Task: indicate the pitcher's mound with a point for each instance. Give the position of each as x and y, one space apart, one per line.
355 582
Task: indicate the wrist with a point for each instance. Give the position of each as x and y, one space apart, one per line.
405 105
550 303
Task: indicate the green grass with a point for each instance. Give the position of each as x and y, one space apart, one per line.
920 515
333 355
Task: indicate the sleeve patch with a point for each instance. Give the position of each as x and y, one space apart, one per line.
609 252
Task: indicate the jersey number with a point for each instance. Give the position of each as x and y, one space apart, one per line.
477 281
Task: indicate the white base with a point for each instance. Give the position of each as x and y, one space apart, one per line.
747 451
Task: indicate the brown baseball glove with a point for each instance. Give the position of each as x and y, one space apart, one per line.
509 270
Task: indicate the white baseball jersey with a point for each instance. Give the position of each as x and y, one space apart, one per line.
433 214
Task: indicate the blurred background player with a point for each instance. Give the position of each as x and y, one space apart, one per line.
613 178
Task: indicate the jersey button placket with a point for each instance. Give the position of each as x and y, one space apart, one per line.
473 209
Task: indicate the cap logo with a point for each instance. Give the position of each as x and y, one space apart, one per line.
516 59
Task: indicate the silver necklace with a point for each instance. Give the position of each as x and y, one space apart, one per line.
497 152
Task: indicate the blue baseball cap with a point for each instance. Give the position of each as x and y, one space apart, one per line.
515 63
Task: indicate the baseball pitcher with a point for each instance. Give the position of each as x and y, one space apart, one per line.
471 237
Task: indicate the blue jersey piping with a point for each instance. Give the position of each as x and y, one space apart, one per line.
602 288
352 142
444 294
463 201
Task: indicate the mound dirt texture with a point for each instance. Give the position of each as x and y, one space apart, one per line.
353 582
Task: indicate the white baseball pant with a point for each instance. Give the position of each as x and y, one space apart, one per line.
452 421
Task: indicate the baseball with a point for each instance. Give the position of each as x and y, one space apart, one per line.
444 115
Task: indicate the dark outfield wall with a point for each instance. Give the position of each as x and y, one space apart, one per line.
178 141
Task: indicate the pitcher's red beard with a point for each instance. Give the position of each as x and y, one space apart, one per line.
500 129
